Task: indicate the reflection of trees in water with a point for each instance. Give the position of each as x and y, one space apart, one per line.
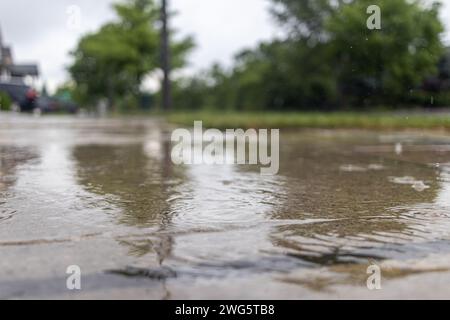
138 184
127 176
10 159
359 203
357 206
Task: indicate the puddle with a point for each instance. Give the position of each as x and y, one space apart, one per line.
104 195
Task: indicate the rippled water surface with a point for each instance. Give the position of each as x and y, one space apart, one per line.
104 195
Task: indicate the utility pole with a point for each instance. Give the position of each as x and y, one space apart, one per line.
165 57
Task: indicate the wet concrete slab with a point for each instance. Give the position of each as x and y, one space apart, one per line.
104 195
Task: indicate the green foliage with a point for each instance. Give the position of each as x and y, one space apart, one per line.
328 59
113 61
69 92
5 101
385 63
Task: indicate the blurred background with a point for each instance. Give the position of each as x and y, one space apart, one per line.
272 55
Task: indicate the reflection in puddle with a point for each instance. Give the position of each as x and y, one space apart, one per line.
106 195
417 185
10 159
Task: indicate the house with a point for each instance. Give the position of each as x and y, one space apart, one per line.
10 71
17 80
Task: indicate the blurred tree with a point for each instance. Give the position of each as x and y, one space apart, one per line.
383 66
284 74
113 61
444 66
278 75
329 58
305 19
370 65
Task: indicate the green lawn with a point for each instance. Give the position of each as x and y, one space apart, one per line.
273 120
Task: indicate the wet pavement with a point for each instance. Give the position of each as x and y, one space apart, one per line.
104 195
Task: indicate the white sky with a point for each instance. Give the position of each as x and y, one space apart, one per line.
38 30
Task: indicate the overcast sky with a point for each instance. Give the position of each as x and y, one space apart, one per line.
42 30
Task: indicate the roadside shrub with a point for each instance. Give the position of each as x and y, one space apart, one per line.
5 101
429 99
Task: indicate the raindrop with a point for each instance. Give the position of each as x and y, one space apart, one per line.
398 149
